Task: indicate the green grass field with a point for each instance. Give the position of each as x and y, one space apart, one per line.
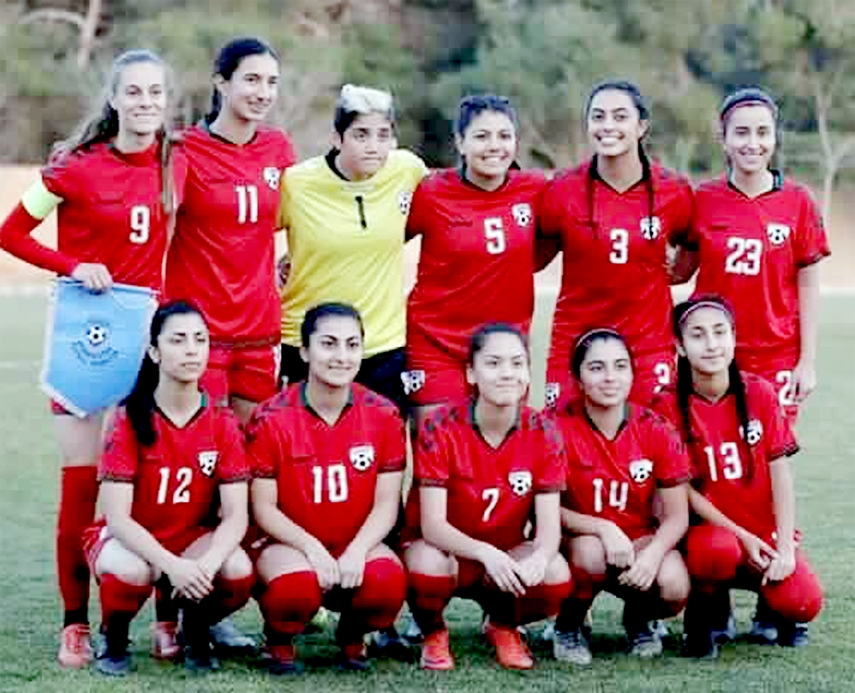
30 613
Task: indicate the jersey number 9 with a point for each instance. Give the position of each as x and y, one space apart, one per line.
140 224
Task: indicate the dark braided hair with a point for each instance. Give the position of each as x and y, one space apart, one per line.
634 93
685 387
140 404
227 62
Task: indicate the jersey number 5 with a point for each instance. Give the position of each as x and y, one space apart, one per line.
494 234
140 224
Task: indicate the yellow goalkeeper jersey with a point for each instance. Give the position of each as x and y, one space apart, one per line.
346 241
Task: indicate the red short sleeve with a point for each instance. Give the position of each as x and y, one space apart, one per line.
552 209
233 465
393 455
681 233
811 242
288 155
780 441
62 175
431 464
262 447
671 463
179 172
551 474
121 451
416 220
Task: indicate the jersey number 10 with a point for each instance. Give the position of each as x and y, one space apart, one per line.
335 482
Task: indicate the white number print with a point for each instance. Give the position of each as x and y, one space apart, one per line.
336 483
620 246
184 477
247 198
786 393
731 463
140 224
662 371
494 233
618 494
744 256
491 495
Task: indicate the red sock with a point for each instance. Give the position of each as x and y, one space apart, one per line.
538 602
121 601
376 602
78 494
229 596
428 595
289 602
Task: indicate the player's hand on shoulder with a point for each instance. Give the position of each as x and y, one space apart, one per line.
94 276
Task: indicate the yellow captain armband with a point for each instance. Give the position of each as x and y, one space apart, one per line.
39 201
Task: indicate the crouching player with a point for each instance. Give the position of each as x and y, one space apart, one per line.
623 461
743 489
482 470
328 458
171 464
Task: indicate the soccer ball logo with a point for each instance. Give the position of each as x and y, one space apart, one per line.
413 381
754 434
361 457
651 227
640 470
271 177
522 214
97 335
405 198
520 482
552 393
208 462
777 233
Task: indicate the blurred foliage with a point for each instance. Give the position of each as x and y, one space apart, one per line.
544 54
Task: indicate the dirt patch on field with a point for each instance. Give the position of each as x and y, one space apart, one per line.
838 271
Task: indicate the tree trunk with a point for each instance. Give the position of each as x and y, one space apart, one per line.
87 33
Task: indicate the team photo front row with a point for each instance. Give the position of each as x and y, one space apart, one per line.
530 514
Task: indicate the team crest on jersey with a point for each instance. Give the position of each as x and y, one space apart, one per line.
405 199
522 213
362 457
754 434
650 227
551 393
208 462
271 177
520 482
778 233
413 381
640 470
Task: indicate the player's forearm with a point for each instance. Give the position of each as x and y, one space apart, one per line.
377 525
446 537
704 509
675 518
15 239
684 265
229 533
547 514
808 307
137 539
577 523
784 501
281 528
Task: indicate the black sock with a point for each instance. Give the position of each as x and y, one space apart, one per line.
76 616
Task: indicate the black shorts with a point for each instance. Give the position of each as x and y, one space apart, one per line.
381 373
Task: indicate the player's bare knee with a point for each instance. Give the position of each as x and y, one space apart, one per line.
557 571
588 554
278 559
673 579
382 551
117 560
237 566
420 557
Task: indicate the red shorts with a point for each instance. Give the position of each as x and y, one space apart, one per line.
251 373
651 372
781 378
95 538
433 376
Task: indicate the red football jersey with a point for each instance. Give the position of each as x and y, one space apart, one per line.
326 475
222 256
490 490
751 251
617 479
477 257
732 469
111 211
614 272
176 480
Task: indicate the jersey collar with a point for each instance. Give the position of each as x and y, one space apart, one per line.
627 414
304 401
203 405
475 427
777 183
594 173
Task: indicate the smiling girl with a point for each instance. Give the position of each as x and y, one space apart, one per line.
114 186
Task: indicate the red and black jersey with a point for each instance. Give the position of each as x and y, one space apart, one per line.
731 466
477 257
751 251
176 479
222 255
491 491
614 252
617 479
326 474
